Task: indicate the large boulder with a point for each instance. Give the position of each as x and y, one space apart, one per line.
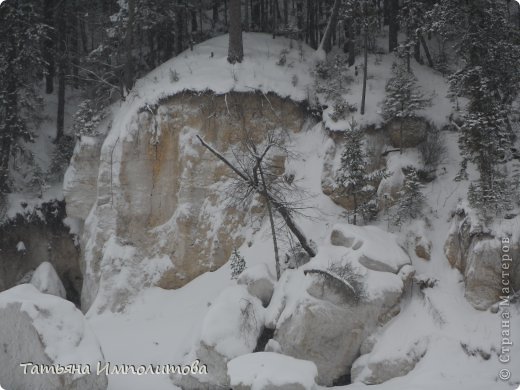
50 334
414 131
324 311
259 281
373 369
270 371
488 260
231 328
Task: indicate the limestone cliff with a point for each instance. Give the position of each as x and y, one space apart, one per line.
159 198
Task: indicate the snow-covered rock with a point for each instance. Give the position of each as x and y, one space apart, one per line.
259 281
268 370
414 131
80 180
376 249
160 191
325 310
480 258
372 369
47 281
49 332
231 328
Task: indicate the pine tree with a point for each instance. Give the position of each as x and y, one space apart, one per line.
411 199
403 97
238 264
354 178
21 63
490 47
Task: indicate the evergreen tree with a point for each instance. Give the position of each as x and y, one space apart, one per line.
411 199
238 264
354 178
490 48
21 65
403 97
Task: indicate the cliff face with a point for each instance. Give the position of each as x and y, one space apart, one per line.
160 201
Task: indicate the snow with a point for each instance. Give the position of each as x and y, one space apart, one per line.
46 280
374 248
431 84
264 369
66 336
20 247
225 327
162 326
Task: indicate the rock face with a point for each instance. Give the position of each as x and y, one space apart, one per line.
414 132
479 257
45 239
49 331
160 191
323 315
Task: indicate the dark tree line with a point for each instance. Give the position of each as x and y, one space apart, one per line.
101 47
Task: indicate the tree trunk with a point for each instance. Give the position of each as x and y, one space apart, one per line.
401 137
48 17
62 64
417 52
246 15
393 25
226 21
235 49
271 221
286 12
311 9
426 51
215 12
179 27
326 41
351 44
365 70
129 66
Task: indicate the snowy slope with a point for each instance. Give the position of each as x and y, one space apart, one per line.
162 326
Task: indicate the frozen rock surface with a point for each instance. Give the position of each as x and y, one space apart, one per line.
49 331
324 311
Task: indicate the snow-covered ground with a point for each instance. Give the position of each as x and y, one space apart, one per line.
161 326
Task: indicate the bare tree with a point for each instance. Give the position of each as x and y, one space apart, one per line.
256 175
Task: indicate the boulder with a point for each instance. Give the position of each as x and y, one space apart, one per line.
423 248
324 311
376 249
414 131
259 282
47 281
270 371
231 328
50 333
478 256
372 369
